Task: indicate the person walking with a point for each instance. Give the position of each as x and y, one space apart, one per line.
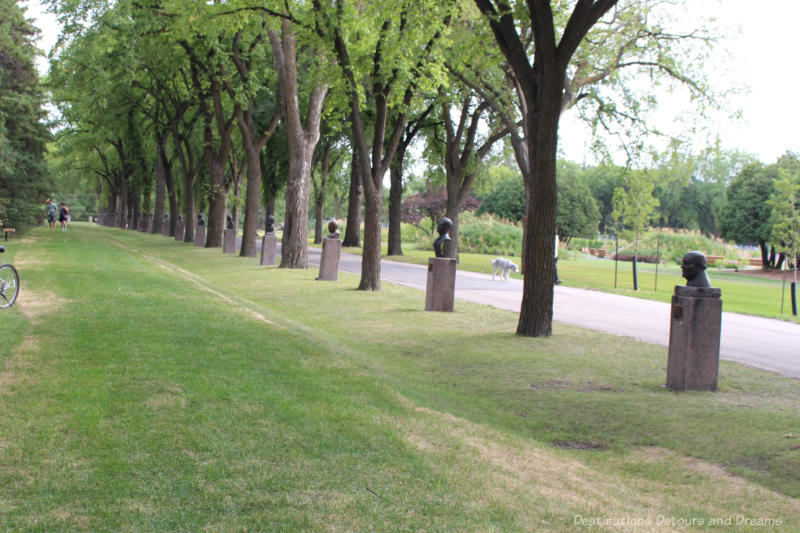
51 214
63 216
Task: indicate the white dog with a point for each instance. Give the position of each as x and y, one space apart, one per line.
504 266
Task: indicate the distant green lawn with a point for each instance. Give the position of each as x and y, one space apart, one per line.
150 385
740 293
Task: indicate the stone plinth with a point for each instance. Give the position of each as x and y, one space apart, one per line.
179 229
200 236
441 286
229 241
694 334
329 262
269 247
165 228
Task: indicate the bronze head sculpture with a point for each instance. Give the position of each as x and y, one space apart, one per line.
439 245
333 230
228 222
200 220
693 268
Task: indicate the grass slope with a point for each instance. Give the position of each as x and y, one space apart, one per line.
150 385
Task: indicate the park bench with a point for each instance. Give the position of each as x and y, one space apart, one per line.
714 259
7 231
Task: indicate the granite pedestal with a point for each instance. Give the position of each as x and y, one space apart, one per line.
200 236
229 241
694 336
269 247
329 262
179 228
441 286
165 228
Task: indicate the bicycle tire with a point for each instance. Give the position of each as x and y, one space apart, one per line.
9 285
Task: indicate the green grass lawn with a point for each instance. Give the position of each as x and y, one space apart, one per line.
740 293
150 385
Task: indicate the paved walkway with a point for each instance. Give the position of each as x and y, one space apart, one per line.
761 342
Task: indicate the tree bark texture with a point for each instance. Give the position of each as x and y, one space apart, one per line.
396 203
161 189
352 232
302 142
371 258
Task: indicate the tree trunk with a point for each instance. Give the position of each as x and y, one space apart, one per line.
302 143
371 259
452 212
161 188
764 254
189 211
396 204
251 199
318 207
217 208
294 247
352 232
536 312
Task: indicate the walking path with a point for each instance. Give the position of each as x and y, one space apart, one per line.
760 342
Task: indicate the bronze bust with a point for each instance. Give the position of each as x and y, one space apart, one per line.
333 230
693 268
440 245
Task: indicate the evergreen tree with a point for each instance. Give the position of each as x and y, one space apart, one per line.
23 135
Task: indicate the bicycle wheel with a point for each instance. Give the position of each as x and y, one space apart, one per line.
9 285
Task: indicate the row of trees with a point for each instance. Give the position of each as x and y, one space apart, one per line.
174 105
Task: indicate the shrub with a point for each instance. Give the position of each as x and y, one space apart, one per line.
490 235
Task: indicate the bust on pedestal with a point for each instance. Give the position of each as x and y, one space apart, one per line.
269 244
229 237
695 325
331 252
441 284
200 231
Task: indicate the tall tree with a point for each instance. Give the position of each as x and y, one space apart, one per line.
23 134
747 216
785 202
634 208
303 130
542 85
568 70
381 74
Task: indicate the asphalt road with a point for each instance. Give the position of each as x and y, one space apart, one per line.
760 342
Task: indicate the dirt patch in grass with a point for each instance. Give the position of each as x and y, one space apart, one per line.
25 261
512 472
578 445
173 398
765 274
36 304
561 384
13 374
